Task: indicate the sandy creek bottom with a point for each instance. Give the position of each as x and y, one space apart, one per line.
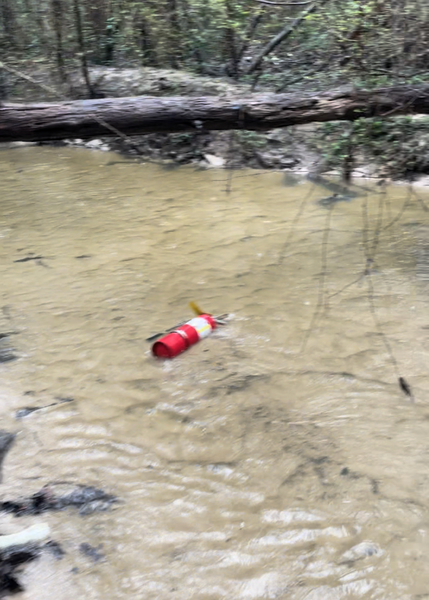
277 458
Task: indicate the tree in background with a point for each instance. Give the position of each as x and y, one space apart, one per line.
284 43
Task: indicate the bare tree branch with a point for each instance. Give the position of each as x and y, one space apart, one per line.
251 29
283 3
81 43
284 33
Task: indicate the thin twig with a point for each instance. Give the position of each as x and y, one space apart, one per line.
322 278
370 297
399 215
377 231
283 34
294 224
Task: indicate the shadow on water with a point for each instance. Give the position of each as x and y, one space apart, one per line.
291 180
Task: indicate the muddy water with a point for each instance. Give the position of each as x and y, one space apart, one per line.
269 461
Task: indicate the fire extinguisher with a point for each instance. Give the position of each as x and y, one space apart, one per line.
184 335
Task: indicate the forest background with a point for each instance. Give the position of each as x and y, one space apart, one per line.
84 48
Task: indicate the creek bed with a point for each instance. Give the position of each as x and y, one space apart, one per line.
277 458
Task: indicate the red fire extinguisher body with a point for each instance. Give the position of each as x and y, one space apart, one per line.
184 336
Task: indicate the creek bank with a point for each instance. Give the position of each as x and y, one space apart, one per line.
277 149
394 148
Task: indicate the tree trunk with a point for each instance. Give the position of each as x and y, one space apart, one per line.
250 32
8 21
57 15
141 115
175 50
82 51
230 43
147 45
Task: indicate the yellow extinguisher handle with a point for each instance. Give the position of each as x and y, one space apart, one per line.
196 309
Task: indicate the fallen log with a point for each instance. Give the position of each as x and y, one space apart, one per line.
141 115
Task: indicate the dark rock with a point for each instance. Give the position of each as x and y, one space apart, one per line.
11 560
6 441
95 506
87 499
6 352
275 160
6 355
24 412
55 549
28 410
27 259
82 495
91 552
287 162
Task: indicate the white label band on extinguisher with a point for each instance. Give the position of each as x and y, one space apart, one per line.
202 327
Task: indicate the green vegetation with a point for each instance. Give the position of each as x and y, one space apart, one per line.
367 41
399 146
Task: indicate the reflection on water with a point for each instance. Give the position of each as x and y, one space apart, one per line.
245 468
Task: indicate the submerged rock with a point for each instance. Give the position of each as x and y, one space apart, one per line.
87 499
11 560
24 412
360 551
339 192
275 159
28 410
6 441
14 557
91 551
6 353
329 200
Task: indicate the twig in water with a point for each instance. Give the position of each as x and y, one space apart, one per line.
321 301
229 173
400 213
403 384
405 387
295 223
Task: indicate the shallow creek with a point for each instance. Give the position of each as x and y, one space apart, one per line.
278 458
